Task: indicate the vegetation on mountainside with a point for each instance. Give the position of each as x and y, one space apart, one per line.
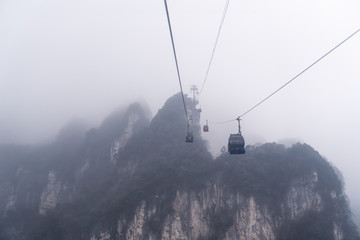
266 171
155 163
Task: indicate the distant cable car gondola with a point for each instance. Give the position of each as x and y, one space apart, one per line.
189 137
206 127
236 144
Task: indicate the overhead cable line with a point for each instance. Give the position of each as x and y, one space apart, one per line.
176 62
303 71
216 42
277 90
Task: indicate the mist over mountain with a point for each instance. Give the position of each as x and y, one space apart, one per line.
136 178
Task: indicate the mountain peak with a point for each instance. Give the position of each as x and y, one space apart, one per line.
135 179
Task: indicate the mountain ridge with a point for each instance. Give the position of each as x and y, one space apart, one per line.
132 178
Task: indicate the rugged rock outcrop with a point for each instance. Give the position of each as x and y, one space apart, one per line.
50 194
196 214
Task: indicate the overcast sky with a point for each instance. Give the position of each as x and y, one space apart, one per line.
65 59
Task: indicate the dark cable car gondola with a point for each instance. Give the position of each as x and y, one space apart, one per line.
189 136
236 142
206 127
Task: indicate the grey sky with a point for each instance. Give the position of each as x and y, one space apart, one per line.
83 58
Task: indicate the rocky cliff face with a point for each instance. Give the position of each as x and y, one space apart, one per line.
49 196
134 179
196 214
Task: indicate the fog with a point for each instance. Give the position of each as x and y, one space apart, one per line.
61 60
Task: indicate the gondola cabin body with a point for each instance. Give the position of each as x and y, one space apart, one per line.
236 144
206 128
189 137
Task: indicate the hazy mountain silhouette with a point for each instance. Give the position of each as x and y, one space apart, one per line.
136 178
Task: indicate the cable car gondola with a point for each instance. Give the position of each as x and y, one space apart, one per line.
189 137
206 127
236 144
